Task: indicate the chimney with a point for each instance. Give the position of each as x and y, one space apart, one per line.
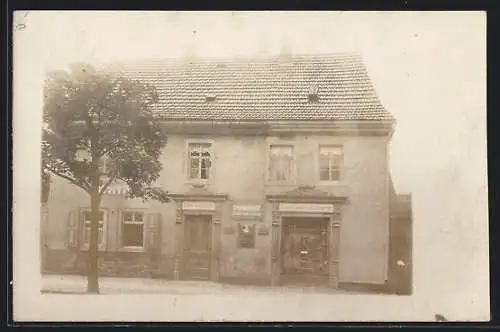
285 53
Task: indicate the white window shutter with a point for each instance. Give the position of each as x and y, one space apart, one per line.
72 230
153 231
119 229
102 245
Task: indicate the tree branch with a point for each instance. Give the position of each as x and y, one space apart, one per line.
111 179
84 186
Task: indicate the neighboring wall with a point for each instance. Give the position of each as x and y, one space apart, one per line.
240 170
401 244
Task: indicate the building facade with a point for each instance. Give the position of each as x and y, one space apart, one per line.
278 172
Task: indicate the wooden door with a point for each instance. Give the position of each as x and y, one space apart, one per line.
304 251
197 247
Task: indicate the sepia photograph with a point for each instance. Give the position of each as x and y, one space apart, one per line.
250 166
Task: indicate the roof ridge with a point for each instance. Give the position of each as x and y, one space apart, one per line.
243 58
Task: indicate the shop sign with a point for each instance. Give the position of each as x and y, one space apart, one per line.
306 208
206 206
247 210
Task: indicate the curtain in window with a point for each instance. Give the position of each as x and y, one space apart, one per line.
199 161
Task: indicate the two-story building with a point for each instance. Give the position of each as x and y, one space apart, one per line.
277 169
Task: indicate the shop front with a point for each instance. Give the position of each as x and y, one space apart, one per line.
197 236
305 237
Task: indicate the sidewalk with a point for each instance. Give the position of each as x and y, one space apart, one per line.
78 284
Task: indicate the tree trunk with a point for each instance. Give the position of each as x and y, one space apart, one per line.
93 252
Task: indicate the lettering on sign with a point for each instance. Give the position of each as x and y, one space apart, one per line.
306 208
250 210
198 206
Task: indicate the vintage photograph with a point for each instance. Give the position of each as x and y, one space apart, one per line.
288 156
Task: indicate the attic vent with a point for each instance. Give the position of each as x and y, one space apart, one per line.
210 98
313 94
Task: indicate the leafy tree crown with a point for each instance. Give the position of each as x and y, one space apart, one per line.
93 116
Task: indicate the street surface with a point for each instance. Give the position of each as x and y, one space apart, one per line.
78 284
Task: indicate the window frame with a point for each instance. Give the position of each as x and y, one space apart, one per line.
83 229
187 161
339 167
122 222
292 175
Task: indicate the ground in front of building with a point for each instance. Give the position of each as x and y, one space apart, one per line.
70 284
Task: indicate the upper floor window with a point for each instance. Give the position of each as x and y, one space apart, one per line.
133 229
281 163
200 161
330 159
101 231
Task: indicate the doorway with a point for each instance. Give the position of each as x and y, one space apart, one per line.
304 251
197 247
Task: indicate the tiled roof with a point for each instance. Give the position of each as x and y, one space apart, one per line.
262 88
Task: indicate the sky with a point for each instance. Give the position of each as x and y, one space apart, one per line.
429 69
408 56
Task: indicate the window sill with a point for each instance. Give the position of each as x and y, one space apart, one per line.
281 183
329 182
195 182
85 249
337 188
131 249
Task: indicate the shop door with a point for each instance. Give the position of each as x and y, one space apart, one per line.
304 251
197 247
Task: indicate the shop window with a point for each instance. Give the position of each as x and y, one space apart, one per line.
246 236
133 229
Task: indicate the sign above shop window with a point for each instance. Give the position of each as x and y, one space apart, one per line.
210 206
306 208
247 210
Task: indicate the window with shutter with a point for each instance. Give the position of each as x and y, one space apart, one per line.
102 230
132 229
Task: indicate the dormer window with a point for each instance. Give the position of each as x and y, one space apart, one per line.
210 98
313 94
